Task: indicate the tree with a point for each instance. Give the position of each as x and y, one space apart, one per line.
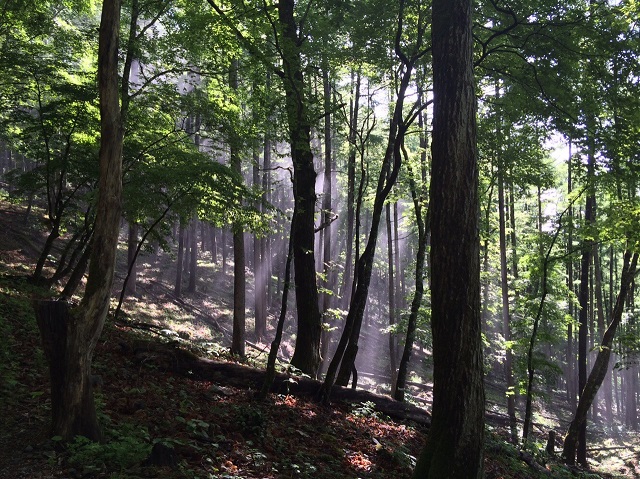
239 274
70 337
306 356
454 446
599 371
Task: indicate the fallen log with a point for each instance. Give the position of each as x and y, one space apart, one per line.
183 362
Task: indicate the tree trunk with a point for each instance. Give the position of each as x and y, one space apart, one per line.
259 262
506 319
392 296
455 443
193 253
386 179
179 266
239 273
570 356
71 338
583 297
327 217
351 185
78 272
422 224
70 372
132 244
599 371
306 356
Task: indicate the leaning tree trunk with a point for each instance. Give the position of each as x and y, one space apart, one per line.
386 179
132 243
422 224
583 297
70 337
454 446
601 364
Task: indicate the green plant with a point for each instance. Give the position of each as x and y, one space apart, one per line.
126 446
365 409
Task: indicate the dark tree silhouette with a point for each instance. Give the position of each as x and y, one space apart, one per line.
454 447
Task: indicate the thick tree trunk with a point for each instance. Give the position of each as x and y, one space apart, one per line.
71 339
454 446
306 356
601 365
70 372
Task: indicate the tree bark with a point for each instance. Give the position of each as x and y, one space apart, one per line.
392 295
132 245
193 255
177 290
239 274
455 443
506 317
583 298
422 224
351 188
75 335
327 214
306 356
347 350
601 364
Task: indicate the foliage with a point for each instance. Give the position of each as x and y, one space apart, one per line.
126 446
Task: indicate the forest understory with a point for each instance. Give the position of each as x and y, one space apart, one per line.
216 429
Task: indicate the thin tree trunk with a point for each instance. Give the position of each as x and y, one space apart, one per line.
392 296
386 180
78 272
259 260
132 243
351 183
597 375
275 344
193 253
422 224
587 248
570 356
177 290
327 215
506 317
239 274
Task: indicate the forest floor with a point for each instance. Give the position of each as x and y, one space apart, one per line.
216 430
